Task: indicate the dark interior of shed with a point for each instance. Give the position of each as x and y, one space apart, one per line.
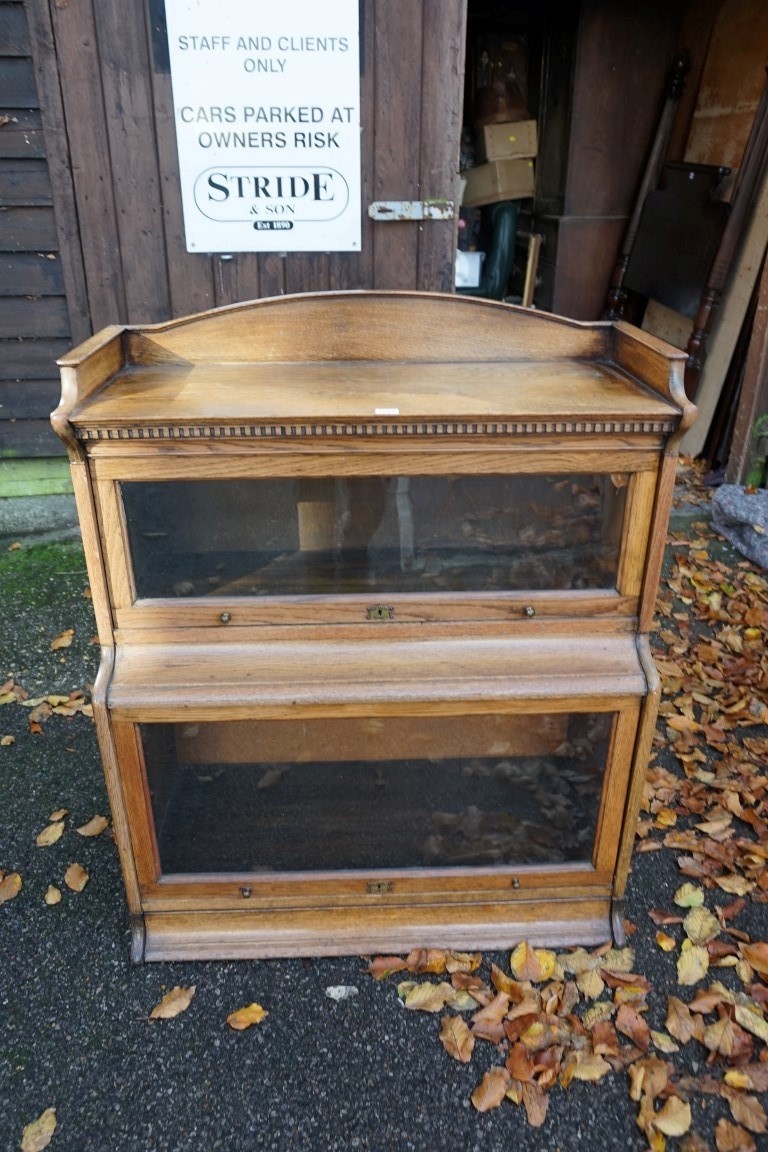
629 177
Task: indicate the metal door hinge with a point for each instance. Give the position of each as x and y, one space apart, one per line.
412 210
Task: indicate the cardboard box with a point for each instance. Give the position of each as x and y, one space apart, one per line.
514 139
499 180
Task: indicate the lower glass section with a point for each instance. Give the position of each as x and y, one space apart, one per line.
415 792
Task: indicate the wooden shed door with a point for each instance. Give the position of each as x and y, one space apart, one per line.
110 64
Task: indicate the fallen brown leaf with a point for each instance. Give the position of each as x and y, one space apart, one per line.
38 1135
682 1023
52 895
423 960
674 1117
756 955
692 964
429 997
732 1138
535 1102
456 1038
50 834
525 963
752 1020
747 1111
701 925
382 966
173 1003
76 877
631 1024
63 640
491 1090
590 1068
10 886
94 827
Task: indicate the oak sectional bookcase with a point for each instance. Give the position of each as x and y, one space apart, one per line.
373 574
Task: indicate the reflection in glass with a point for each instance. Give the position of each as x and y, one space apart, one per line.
299 537
293 796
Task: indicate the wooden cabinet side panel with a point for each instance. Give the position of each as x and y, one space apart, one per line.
115 543
610 819
138 807
638 524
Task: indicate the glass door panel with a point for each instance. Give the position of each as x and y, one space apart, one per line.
378 793
379 535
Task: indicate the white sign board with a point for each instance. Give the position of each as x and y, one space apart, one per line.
267 109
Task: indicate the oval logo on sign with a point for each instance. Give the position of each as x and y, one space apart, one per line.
235 194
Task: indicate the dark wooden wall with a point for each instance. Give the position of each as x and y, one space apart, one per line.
104 92
605 64
34 322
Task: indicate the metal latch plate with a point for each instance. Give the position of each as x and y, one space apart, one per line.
399 210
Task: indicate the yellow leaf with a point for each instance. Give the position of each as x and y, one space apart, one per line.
63 640
173 1003
674 1117
6 741
665 942
245 1017
664 1043
753 1021
52 895
462 1001
10 886
76 877
59 814
720 1036
463 961
689 896
50 835
734 885
590 1068
491 1090
692 964
38 1135
590 983
666 818
701 925
456 1038
94 827
429 997
737 1078
600 1011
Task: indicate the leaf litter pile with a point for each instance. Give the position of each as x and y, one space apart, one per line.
584 1015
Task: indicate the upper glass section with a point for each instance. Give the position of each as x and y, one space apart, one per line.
374 534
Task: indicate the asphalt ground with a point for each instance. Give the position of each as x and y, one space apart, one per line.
360 1073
